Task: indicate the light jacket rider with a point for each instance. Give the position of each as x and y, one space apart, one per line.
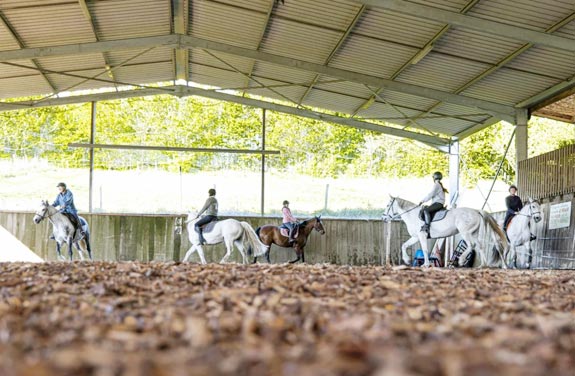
211 209
437 197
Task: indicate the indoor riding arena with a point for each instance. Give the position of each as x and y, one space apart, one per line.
435 72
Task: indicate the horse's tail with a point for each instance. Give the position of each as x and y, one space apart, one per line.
498 235
253 240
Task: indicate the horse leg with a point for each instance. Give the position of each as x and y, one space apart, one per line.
240 247
88 248
201 254
70 248
302 255
267 255
529 255
79 251
58 251
189 253
229 247
404 246
423 242
298 254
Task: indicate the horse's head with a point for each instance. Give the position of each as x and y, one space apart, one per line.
534 210
390 212
319 225
42 212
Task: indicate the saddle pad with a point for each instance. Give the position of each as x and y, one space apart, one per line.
439 215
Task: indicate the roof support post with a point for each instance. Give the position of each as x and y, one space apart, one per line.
521 137
453 173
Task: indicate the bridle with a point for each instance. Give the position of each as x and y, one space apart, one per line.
531 213
317 225
43 215
387 217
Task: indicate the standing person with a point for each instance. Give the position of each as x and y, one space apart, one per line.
65 203
211 209
288 220
437 197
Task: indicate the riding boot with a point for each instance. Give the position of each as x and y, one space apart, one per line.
426 226
52 237
532 237
202 240
291 237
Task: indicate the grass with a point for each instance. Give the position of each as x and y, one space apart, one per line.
23 183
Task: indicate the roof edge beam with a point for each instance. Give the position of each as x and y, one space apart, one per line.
469 22
504 112
550 93
170 40
436 142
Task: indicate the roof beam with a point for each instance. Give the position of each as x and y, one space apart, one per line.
175 41
261 38
504 61
21 44
334 50
475 128
437 142
88 16
502 111
469 22
550 93
170 41
180 27
173 148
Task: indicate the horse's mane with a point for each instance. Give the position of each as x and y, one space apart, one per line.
403 202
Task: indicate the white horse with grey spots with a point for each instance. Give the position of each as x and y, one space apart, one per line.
229 231
471 224
64 231
519 231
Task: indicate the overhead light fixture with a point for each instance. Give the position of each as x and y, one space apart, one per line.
422 53
109 71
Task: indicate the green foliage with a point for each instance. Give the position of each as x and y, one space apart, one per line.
307 146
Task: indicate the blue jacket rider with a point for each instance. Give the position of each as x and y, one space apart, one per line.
65 202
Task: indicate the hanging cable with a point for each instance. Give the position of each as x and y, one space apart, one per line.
499 168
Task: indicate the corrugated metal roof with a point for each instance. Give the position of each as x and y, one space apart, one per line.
381 44
442 72
118 19
509 87
371 56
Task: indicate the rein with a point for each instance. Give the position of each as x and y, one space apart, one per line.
398 215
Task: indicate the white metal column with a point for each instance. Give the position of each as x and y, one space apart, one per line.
521 137
453 173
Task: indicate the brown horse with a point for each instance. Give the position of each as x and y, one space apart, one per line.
270 234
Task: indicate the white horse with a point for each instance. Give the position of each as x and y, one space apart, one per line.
519 232
470 223
64 232
229 231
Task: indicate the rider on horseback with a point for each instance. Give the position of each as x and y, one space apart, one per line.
289 221
437 197
211 209
514 205
65 202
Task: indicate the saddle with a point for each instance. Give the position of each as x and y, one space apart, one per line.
77 226
437 216
209 226
284 230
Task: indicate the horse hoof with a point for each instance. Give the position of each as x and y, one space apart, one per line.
294 261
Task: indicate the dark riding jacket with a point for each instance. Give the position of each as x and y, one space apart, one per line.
514 204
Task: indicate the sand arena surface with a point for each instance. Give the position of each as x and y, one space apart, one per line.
106 318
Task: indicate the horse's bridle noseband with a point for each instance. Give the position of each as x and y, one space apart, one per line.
531 213
395 215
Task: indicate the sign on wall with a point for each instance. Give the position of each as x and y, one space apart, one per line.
560 215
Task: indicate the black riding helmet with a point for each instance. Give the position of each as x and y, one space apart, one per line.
437 175
513 186
212 192
286 202
63 185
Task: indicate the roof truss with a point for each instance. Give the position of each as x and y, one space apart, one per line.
177 41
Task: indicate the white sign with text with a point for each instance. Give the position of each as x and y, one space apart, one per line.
560 215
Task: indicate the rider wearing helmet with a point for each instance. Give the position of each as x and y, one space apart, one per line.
211 209
288 220
513 204
437 197
65 202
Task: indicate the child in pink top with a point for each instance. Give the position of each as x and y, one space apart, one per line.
289 221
